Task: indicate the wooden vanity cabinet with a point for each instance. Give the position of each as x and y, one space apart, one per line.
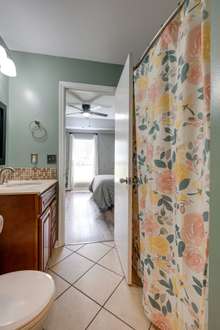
30 230
47 226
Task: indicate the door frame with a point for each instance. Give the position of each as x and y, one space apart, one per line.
63 86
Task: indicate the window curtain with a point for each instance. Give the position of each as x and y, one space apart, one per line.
172 119
69 160
71 145
95 137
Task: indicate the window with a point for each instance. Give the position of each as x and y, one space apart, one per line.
83 160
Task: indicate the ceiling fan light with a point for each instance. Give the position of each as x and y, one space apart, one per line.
8 67
86 114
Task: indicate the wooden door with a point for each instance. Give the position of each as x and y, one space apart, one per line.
123 168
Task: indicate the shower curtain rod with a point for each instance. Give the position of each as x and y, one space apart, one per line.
180 5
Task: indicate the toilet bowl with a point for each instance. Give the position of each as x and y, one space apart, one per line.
25 299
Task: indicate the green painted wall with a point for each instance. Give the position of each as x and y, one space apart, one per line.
33 95
4 86
214 246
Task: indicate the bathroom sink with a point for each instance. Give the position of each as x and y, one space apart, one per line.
22 183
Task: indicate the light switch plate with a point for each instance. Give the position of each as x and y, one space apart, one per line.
51 159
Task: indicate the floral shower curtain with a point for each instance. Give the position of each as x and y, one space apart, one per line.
172 116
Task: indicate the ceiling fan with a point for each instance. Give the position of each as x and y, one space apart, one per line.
86 110
85 107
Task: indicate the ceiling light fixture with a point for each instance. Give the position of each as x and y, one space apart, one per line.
3 54
86 114
7 65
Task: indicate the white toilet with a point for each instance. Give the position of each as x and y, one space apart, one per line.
25 299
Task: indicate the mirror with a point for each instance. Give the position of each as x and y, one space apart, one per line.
2 133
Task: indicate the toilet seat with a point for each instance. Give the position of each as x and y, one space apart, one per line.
24 296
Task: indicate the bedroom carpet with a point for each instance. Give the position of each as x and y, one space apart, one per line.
84 222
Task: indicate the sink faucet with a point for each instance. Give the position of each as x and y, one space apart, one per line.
3 174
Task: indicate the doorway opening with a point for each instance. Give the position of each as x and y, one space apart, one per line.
89 165
81 100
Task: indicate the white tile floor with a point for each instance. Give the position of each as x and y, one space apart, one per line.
91 291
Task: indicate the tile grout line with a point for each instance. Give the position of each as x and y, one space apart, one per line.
93 242
62 293
117 317
113 292
110 248
82 245
94 264
76 251
101 305
116 288
105 308
72 283
60 276
79 278
112 271
83 293
119 260
51 266
113 248
97 262
93 319
107 244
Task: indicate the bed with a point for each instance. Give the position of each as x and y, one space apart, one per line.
102 188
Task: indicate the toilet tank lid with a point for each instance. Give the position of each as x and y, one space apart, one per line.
23 296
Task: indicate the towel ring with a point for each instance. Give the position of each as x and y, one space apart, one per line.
39 133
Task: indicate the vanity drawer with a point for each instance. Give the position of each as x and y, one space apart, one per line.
47 197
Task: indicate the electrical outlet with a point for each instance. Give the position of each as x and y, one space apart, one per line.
34 159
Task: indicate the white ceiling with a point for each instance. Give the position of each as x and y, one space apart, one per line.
100 30
103 103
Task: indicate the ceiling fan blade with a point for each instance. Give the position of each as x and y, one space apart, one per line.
98 113
76 96
73 106
93 99
103 106
96 107
72 114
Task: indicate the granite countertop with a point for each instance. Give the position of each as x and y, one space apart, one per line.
26 187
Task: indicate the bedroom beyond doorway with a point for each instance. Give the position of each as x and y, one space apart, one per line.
89 166
86 223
